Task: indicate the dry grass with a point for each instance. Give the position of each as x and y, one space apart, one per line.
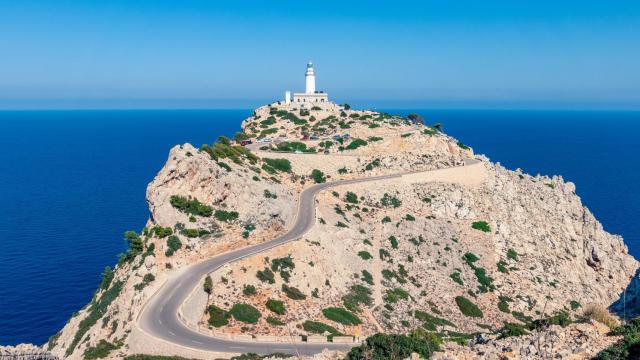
600 314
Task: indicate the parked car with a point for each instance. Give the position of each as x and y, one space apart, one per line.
346 136
313 137
336 137
246 142
326 152
306 137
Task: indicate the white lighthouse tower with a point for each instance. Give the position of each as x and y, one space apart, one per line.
310 95
310 80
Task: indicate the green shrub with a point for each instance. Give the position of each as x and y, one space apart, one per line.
357 295
512 254
511 329
249 290
410 217
162 232
343 170
388 200
318 176
266 275
245 313
456 277
283 165
482 226
626 348
393 241
317 327
208 285
386 219
217 316
502 267
107 277
293 293
574 305
342 316
101 350
276 306
351 197
173 244
395 295
392 346
365 255
468 308
463 146
226 216
503 304
190 206
356 143
367 277
274 321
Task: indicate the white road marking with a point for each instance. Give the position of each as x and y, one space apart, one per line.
236 347
171 332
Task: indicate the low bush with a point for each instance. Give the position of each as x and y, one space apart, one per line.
365 255
218 317
173 244
208 285
249 290
276 306
395 295
456 277
274 321
245 313
626 348
356 143
318 327
162 232
293 293
431 322
318 176
357 295
512 254
367 277
283 165
482 226
266 275
467 307
511 329
226 216
393 346
190 206
340 315
351 197
393 241
101 350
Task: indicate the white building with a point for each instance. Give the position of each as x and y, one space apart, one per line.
310 95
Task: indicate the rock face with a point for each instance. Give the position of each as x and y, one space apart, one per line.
452 246
25 352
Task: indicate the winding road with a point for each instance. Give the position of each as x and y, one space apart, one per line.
159 317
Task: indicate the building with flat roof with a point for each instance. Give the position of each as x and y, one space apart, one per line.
310 95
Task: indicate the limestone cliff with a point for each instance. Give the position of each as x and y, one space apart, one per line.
452 246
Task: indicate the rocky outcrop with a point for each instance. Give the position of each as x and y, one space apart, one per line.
25 352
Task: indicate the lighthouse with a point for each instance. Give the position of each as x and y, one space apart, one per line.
310 79
310 94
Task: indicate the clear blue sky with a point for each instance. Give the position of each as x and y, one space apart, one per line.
456 54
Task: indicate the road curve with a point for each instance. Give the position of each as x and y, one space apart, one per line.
159 317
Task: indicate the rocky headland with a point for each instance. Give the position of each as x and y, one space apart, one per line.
479 260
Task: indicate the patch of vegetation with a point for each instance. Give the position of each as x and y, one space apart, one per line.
410 217
503 304
626 348
218 317
386 219
293 293
356 143
365 255
343 170
388 200
463 146
511 329
107 277
318 176
173 244
190 206
340 315
283 165
392 346
351 197
245 313
502 267
574 305
101 350
223 149
276 306
393 241
226 216
96 310
512 254
318 327
249 290
367 277
154 357
357 295
467 307
274 321
482 226
431 322
456 277
161 232
395 295
146 280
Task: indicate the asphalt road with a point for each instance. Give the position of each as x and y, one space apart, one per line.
159 317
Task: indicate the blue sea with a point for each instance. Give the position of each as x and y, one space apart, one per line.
71 182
